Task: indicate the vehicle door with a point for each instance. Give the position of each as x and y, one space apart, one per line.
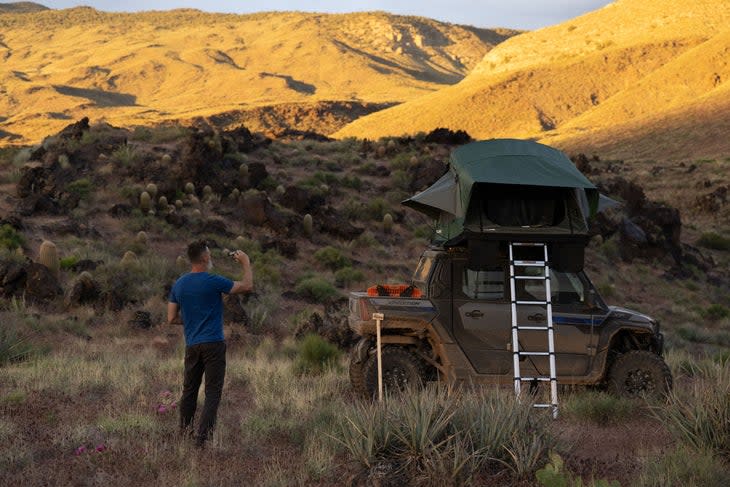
481 316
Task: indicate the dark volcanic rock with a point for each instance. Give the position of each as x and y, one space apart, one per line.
75 130
712 202
301 200
255 206
257 173
449 137
40 284
329 221
425 173
332 326
84 291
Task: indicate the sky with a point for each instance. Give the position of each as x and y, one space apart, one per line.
516 14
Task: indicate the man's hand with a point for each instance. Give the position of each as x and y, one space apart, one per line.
245 285
241 257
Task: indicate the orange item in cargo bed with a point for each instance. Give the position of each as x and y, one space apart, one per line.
399 290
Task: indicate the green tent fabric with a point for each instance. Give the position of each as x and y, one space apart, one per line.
500 161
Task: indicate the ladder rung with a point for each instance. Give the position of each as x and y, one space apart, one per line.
539 354
548 405
531 278
529 263
540 379
527 244
532 302
533 327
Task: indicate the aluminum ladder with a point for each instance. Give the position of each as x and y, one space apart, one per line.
517 353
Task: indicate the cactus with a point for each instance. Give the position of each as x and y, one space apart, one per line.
178 204
207 191
129 258
380 151
243 170
235 194
166 159
189 188
63 161
86 278
280 190
308 225
391 145
48 256
387 223
181 261
142 238
197 213
162 202
414 161
194 201
145 202
240 242
151 189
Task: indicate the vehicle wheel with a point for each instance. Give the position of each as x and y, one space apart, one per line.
357 377
401 370
639 373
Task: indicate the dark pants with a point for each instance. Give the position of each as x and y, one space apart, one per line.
208 359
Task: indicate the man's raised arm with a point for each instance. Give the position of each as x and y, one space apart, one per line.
245 285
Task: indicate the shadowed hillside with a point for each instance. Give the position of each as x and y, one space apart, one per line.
155 66
629 67
21 7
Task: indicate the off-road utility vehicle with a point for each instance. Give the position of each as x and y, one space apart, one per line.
501 293
461 330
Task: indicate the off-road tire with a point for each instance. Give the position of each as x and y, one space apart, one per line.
639 373
401 370
357 377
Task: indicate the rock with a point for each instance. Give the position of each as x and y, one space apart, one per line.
141 320
329 221
40 284
449 137
332 326
712 202
75 130
85 265
254 208
257 173
287 248
12 278
215 226
84 291
582 163
630 193
301 200
120 210
425 173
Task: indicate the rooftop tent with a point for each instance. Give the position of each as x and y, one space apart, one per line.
509 185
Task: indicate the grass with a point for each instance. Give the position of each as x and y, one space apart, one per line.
599 407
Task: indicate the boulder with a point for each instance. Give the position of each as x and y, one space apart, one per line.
332 326
331 222
448 137
257 173
40 283
84 291
425 173
301 200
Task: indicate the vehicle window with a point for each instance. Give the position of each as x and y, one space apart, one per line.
423 269
566 288
484 284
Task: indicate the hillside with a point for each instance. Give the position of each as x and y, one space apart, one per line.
628 68
21 7
151 67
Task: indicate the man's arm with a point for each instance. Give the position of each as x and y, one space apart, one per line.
245 285
173 316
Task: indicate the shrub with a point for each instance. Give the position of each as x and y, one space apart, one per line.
700 414
600 408
317 289
347 275
10 238
13 346
81 188
315 354
716 312
554 475
331 258
68 262
684 466
714 241
377 209
125 155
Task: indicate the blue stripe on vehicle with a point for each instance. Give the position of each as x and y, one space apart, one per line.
570 320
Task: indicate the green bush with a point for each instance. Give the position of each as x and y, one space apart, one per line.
600 408
10 238
317 289
347 275
331 258
685 466
377 209
125 155
353 182
714 241
315 354
716 312
554 475
67 262
81 188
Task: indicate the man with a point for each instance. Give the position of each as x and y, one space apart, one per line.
197 295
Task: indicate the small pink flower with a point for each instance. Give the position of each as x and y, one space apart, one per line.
173 405
161 409
100 447
166 394
80 450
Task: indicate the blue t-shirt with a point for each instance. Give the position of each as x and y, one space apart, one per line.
201 305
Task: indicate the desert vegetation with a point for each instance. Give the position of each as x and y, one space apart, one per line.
90 377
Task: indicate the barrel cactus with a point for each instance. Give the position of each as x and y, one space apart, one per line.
129 258
189 188
152 189
307 225
145 202
48 256
388 223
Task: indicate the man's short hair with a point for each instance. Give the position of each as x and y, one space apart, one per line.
196 251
